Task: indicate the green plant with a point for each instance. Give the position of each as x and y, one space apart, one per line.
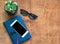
10 6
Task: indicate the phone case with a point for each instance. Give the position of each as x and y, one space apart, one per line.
15 37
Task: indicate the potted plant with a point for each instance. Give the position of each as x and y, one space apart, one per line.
11 7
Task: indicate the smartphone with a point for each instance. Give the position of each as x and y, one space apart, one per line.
19 28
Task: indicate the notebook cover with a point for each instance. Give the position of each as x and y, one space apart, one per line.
15 37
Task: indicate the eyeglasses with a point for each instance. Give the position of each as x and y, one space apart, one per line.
25 13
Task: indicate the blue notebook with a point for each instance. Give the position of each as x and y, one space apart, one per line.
17 30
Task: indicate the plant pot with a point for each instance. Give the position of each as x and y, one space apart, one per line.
11 7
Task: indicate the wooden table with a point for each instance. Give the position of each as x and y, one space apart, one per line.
44 30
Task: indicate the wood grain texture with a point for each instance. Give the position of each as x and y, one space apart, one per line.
44 30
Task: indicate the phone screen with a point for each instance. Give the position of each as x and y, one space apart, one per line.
19 28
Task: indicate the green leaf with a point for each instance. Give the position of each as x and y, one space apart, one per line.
7 7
